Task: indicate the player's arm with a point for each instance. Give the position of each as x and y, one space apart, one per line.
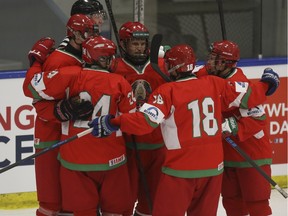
245 95
45 110
142 122
53 86
34 69
41 50
132 123
37 56
248 127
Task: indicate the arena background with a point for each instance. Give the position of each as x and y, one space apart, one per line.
258 26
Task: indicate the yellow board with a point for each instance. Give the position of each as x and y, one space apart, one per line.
29 199
18 200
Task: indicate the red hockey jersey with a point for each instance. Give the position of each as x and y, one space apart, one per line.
110 94
252 131
47 127
190 113
144 81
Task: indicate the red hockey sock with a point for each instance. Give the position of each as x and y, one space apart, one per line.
259 208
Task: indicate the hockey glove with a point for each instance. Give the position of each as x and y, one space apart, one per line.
229 126
102 126
73 109
272 78
40 50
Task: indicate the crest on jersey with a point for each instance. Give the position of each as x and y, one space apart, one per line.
142 89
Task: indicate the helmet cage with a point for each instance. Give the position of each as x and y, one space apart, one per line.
99 14
98 10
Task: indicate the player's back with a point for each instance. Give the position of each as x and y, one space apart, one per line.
110 94
192 126
60 58
196 98
101 83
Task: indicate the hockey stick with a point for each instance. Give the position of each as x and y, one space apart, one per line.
251 162
56 145
155 45
222 21
142 175
154 50
113 23
138 159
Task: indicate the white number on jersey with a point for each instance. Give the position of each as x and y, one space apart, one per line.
158 99
208 123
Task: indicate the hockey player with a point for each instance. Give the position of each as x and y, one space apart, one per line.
189 111
91 8
144 160
93 171
47 126
244 190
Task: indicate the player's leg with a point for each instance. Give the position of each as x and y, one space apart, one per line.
47 168
231 194
205 200
173 196
115 193
48 195
80 192
256 190
152 161
133 177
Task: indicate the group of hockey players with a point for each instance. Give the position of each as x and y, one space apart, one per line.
156 148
